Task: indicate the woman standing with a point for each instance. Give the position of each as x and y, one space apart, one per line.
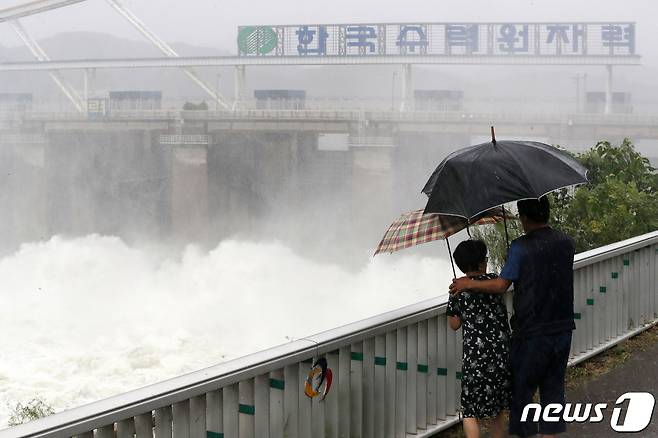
486 387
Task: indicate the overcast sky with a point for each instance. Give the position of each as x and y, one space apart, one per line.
214 22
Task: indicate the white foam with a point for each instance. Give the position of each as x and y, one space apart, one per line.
83 319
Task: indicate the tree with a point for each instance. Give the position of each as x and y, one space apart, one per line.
32 410
620 201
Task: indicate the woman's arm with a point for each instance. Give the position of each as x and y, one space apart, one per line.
455 322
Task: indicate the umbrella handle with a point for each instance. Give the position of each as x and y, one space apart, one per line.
454 274
505 223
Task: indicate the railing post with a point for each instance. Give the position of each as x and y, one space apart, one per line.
442 368
230 412
459 339
163 423
215 420
304 402
451 378
198 417
589 313
318 417
432 368
181 415
356 390
390 399
344 408
277 418
126 428
331 402
412 372
635 290
401 367
654 279
144 425
105 432
291 401
380 360
421 377
262 404
246 409
368 364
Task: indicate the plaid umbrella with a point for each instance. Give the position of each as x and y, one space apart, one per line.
414 227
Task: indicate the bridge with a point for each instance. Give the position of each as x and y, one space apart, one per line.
395 374
175 162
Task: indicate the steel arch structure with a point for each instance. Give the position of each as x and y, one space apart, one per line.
12 15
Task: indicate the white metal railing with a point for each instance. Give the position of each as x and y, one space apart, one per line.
395 374
476 104
340 115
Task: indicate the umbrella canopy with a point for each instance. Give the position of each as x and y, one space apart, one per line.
476 178
414 227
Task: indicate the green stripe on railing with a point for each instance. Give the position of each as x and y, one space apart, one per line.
277 384
627 262
458 374
210 434
590 301
602 289
442 371
357 355
246 409
615 275
380 360
422 368
576 316
401 366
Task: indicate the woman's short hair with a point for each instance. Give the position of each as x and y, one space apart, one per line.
537 210
469 254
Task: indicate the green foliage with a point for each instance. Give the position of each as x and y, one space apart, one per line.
35 408
622 162
494 237
621 200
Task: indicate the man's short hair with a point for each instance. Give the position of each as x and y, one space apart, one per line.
536 210
469 254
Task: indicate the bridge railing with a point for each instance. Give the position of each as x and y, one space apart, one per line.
394 374
349 115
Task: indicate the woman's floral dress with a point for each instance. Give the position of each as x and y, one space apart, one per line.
485 382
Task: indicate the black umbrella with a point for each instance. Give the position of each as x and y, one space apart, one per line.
476 178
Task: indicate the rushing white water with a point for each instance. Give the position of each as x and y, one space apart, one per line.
83 319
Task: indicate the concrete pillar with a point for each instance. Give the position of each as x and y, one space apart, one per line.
406 103
608 89
239 85
189 193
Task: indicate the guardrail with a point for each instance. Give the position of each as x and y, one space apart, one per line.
341 115
395 374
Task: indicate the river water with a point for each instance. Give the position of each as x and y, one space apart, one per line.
86 318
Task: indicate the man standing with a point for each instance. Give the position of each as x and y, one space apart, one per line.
540 264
